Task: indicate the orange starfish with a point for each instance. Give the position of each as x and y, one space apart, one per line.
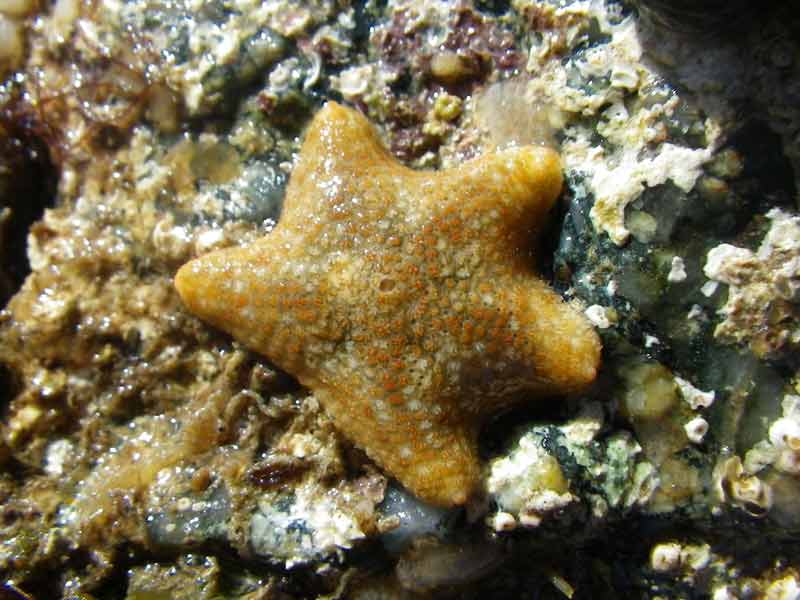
405 300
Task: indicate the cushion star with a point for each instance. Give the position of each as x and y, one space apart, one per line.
405 300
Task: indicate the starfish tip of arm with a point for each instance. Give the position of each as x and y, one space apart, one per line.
185 281
339 140
199 284
538 169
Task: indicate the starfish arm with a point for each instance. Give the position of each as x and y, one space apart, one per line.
509 191
434 457
277 308
339 146
555 340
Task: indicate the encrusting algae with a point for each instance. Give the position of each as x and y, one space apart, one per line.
405 300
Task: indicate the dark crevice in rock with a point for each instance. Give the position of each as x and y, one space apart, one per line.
495 8
28 183
709 18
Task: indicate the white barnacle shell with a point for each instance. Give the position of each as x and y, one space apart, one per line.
665 557
743 490
696 429
785 433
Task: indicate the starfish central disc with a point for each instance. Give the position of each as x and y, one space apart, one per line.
405 300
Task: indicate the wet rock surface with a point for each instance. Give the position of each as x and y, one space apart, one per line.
145 455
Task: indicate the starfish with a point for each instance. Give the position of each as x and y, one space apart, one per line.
405 300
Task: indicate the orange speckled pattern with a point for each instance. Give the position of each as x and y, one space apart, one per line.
406 300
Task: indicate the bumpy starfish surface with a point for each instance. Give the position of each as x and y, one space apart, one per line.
405 300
